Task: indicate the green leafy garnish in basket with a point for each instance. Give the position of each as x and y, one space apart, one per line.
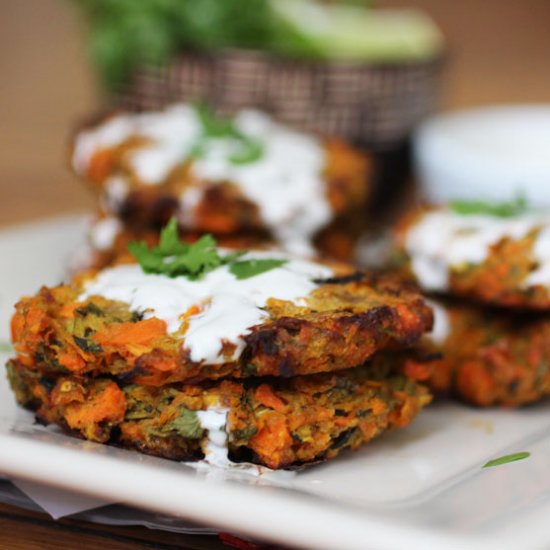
507 459
174 258
247 148
507 209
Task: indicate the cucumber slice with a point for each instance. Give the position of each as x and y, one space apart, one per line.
352 32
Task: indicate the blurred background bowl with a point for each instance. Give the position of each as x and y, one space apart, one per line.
494 154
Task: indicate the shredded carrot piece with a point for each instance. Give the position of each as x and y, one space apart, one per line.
106 405
71 361
273 441
266 396
67 310
100 165
124 334
17 326
418 371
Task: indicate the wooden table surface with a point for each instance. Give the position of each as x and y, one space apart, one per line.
498 53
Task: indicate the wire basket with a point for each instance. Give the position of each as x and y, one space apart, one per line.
370 104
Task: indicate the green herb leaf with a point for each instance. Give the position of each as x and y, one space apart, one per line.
250 268
508 209
247 148
251 151
506 459
5 347
186 424
174 258
89 346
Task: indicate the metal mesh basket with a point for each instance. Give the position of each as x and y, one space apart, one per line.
370 104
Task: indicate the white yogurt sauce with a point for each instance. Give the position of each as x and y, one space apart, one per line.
442 240
216 463
442 326
230 307
286 182
116 190
541 254
214 421
104 232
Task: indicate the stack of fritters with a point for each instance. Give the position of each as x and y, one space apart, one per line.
248 181
490 274
316 374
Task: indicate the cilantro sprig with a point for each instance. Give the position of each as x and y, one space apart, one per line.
507 459
245 269
174 258
508 209
247 149
5 347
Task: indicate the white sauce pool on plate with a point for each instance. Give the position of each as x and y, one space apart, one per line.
230 307
286 182
442 240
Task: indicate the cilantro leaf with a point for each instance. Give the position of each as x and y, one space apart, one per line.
214 126
250 151
506 459
250 268
169 242
174 258
507 209
247 148
5 347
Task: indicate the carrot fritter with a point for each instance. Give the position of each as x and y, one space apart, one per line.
341 324
273 422
490 357
497 261
218 206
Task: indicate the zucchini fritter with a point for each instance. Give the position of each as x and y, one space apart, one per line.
276 423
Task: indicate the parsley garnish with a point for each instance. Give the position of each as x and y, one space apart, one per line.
506 459
174 258
246 148
508 209
245 269
5 347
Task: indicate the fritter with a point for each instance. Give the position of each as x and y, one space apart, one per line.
490 356
503 261
344 319
276 423
151 167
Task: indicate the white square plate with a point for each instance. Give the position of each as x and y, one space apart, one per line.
422 487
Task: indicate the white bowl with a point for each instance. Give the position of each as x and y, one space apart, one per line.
492 154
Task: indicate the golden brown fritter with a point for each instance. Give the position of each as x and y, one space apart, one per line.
491 357
219 207
276 423
343 322
502 276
